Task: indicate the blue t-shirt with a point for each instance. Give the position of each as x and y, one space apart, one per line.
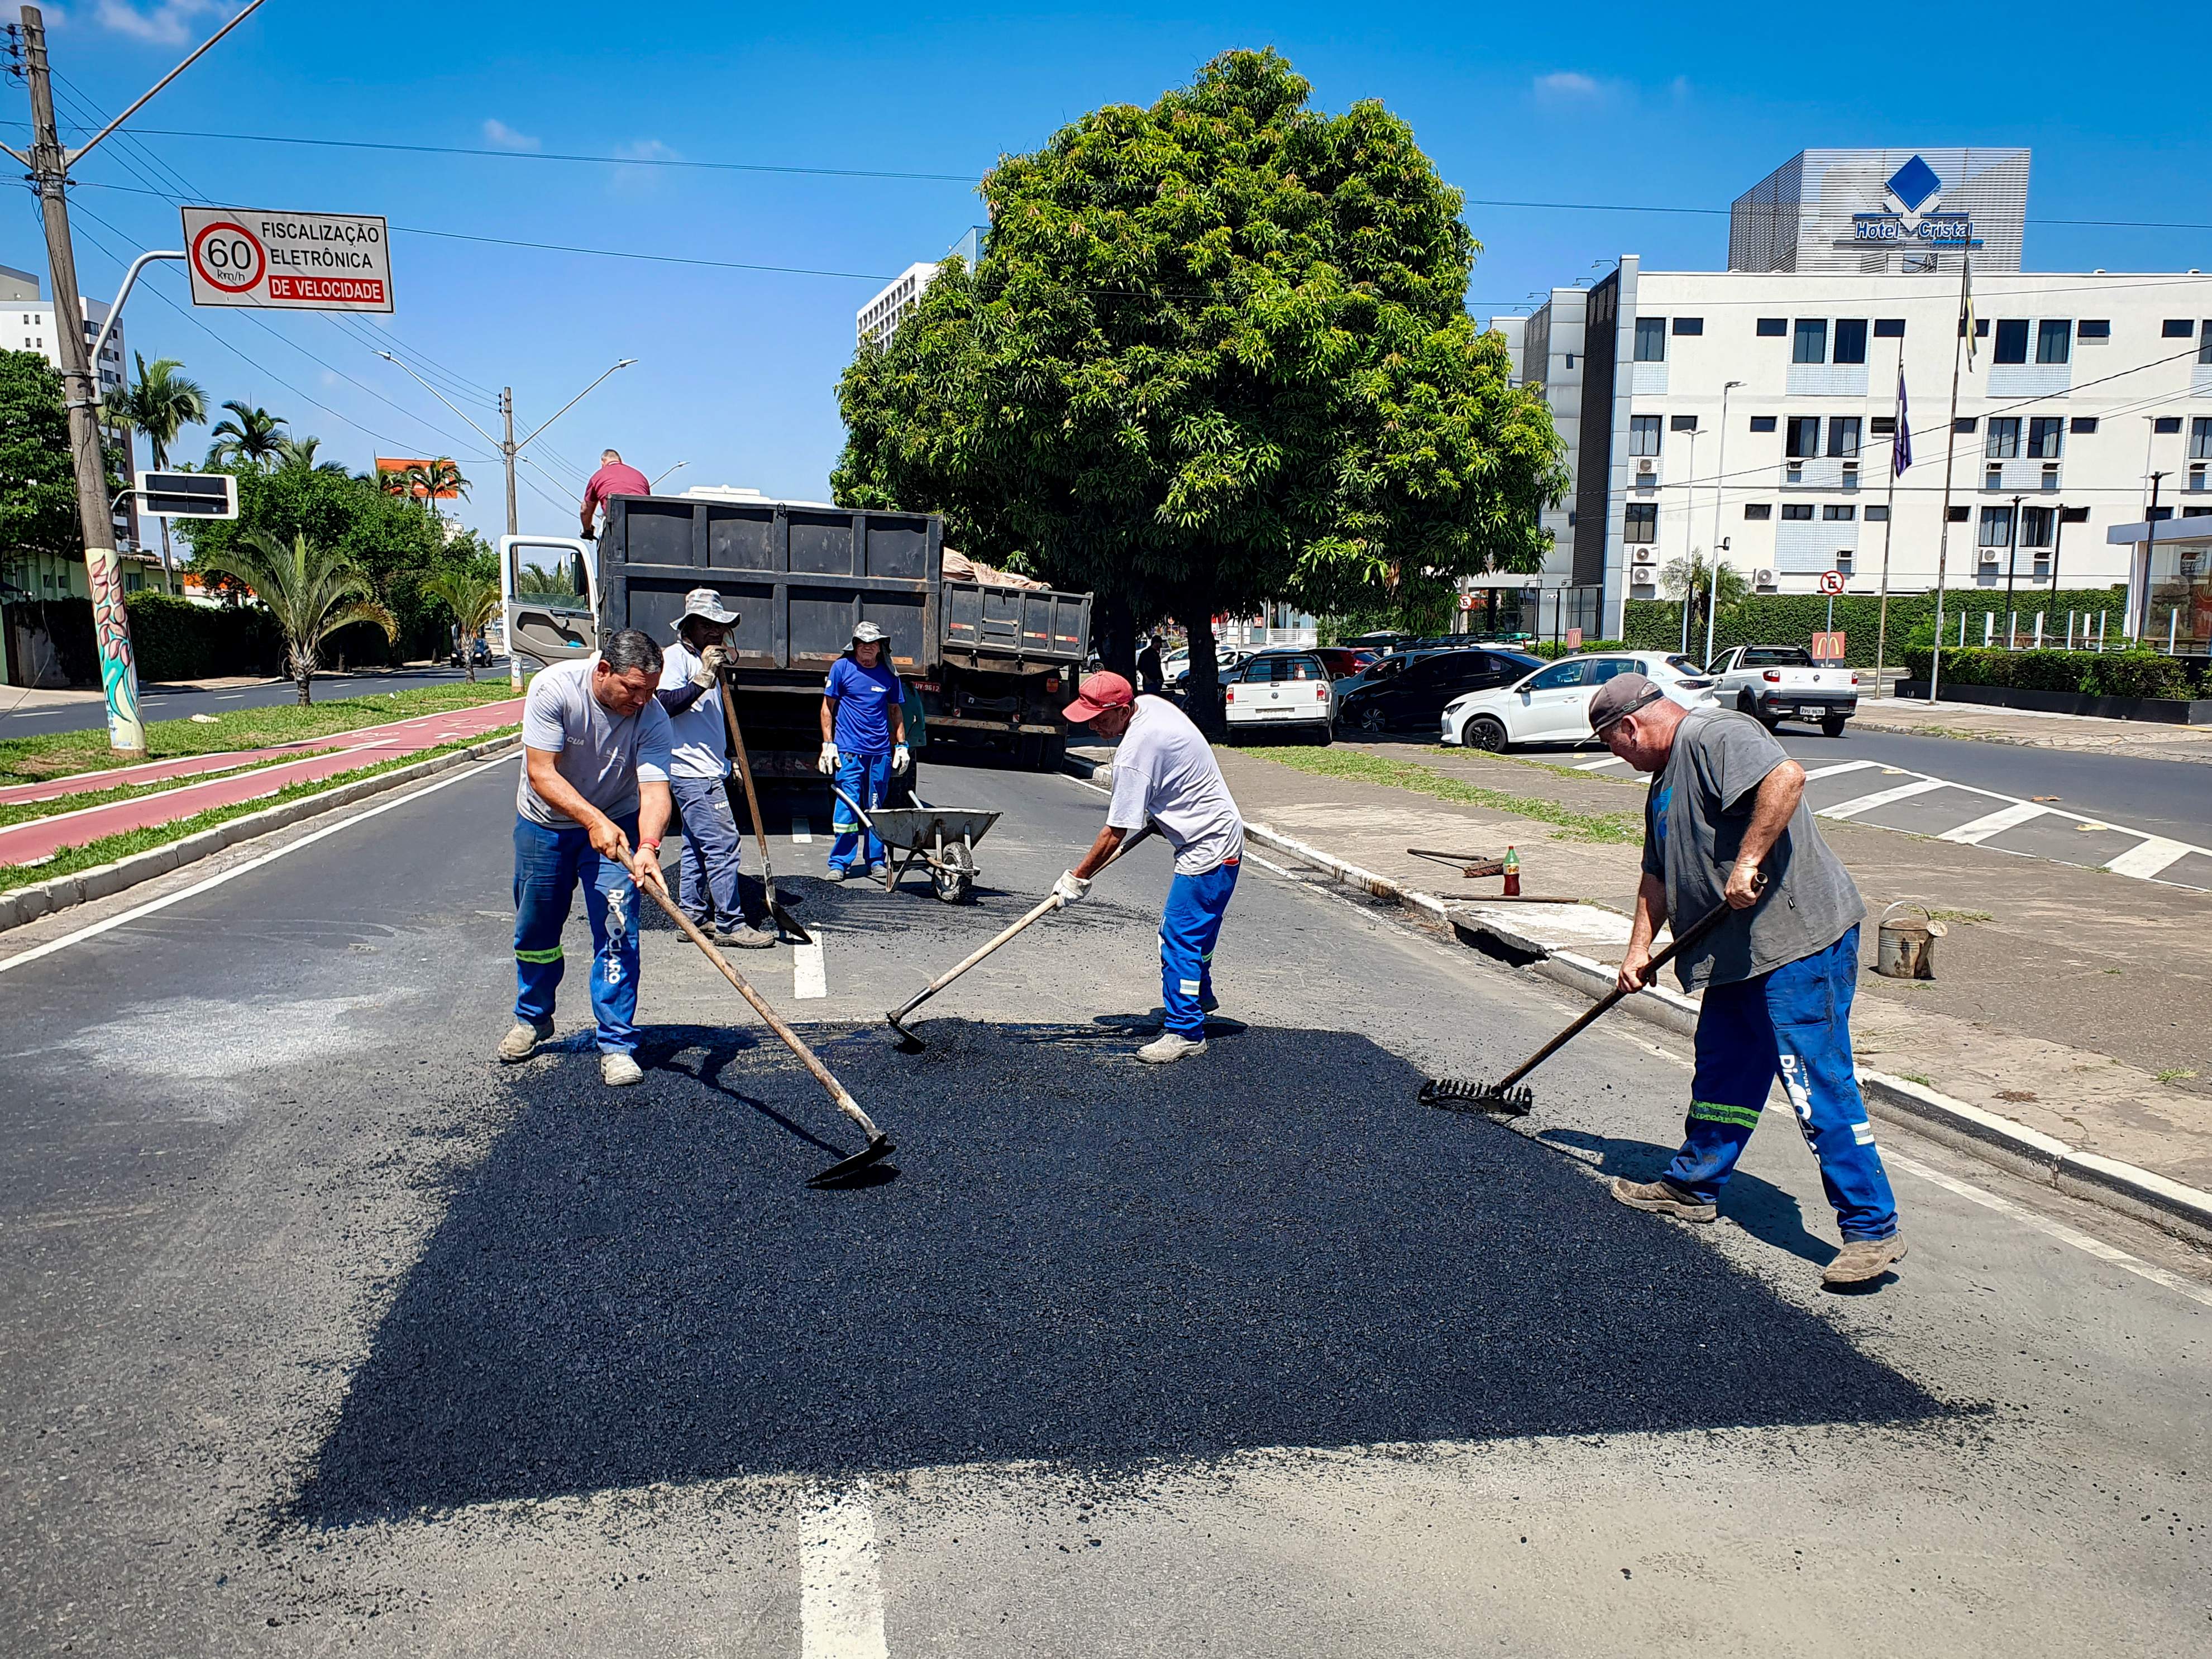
865 698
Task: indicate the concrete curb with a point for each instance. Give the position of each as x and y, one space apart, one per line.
45 898
2183 1211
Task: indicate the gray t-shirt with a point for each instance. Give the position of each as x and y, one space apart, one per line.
1693 824
601 756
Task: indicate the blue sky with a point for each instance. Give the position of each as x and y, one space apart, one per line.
1676 107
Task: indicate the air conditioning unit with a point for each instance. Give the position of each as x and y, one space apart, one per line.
1644 556
1647 465
1989 555
1762 577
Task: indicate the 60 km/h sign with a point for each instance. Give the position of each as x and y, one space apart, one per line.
288 261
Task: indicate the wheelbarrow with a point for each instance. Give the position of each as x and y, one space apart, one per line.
942 837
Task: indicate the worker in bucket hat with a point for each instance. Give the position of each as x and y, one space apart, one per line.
863 744
700 769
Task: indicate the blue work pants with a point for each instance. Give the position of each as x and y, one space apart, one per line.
867 779
548 864
1189 927
709 888
1794 1023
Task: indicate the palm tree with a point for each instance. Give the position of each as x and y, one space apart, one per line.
254 436
1691 577
299 453
160 404
472 599
313 592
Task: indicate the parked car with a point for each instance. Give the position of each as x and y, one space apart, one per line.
1776 683
1553 704
1346 661
1280 689
1410 690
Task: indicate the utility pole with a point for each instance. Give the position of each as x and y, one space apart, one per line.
1714 548
1689 539
507 454
1950 454
2012 563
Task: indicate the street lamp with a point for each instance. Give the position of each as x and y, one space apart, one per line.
678 467
1720 484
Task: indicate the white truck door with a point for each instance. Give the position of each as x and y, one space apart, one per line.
550 598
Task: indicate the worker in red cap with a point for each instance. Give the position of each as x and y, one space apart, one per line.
1165 774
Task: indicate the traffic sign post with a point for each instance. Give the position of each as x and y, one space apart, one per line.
288 261
187 495
1832 583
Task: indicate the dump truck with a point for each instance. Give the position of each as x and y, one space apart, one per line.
984 665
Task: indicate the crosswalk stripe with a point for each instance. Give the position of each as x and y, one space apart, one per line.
801 830
1883 798
810 972
840 1585
1819 772
1598 765
2146 861
1975 832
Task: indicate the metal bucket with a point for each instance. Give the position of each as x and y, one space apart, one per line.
1907 949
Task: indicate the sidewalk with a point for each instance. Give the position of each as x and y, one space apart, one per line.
2065 1000
2140 739
319 757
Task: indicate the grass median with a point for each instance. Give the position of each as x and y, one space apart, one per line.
69 861
64 753
1356 768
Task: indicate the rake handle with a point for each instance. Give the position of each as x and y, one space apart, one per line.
1049 903
745 769
844 1101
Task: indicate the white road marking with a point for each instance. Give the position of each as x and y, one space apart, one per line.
810 973
1597 765
1835 768
841 1585
1883 798
1977 830
198 887
801 830
2147 860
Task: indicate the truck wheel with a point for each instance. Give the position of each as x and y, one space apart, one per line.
1048 755
1324 735
1745 705
1832 726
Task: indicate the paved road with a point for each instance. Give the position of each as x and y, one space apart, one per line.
321 1331
159 703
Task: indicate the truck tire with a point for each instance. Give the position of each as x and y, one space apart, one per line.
1049 755
1832 726
1324 735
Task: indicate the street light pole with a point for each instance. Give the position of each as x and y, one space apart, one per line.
1713 548
2012 563
1689 539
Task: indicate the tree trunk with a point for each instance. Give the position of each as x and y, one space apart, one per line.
1116 634
1202 690
303 676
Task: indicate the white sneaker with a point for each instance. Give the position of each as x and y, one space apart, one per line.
519 1042
1170 1045
620 1070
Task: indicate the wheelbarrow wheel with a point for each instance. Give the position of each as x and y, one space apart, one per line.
952 879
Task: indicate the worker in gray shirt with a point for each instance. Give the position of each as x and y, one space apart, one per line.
1726 807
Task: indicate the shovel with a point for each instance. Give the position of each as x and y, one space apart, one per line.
911 1044
781 917
877 1147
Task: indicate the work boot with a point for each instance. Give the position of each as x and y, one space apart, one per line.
1863 1259
620 1070
744 937
835 872
1660 1199
522 1040
1170 1045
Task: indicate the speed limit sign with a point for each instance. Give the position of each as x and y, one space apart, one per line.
227 256
1832 581
288 261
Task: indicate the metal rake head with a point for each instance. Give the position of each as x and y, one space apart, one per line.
1450 1094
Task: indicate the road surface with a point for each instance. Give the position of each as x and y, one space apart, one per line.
322 1332
158 703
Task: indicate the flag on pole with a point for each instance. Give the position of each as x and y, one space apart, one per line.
1900 446
1967 306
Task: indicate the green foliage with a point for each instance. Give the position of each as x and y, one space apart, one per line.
1549 649
2134 674
38 483
158 404
312 591
251 437
1794 618
472 599
1216 354
178 639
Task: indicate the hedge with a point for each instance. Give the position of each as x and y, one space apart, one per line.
172 638
1794 618
2099 673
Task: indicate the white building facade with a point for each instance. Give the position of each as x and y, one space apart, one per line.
1755 410
878 320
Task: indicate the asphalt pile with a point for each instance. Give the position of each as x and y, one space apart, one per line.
1077 1258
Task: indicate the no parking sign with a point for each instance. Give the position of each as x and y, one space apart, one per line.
288 261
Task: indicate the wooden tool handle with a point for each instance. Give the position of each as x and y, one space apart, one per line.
745 769
845 1102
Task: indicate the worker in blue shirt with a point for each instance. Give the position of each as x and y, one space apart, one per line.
863 744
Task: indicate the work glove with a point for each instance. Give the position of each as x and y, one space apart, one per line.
718 659
704 675
899 757
1069 888
827 764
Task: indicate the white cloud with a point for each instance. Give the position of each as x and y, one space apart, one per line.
634 181
167 23
645 149
1567 83
500 136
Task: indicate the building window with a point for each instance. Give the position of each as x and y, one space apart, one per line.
1877 514
1757 510
2004 438
1960 515
2175 328
1883 426
1795 511
2012 341
2200 438
2165 425
1837 514
1804 437
1641 525
1996 526
2035 524
1773 328
2084 425
2204 342
1889 328
1682 424
2093 328
1812 341
1844 436
1965 424
1650 339
2054 340
1644 434
1762 423
2046 438
1690 325
1850 339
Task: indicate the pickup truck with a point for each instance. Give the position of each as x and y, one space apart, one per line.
1776 683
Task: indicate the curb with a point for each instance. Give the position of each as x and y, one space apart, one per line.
45 898
2183 1211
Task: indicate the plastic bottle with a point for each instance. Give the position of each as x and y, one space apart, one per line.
1512 873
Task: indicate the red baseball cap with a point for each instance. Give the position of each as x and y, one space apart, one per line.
1098 693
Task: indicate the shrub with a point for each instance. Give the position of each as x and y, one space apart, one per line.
2134 674
178 639
2102 674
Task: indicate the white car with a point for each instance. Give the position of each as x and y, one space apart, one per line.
1553 704
1776 683
1288 688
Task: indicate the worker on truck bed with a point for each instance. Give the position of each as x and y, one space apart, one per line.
863 744
1727 806
699 752
1165 774
594 780
613 478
